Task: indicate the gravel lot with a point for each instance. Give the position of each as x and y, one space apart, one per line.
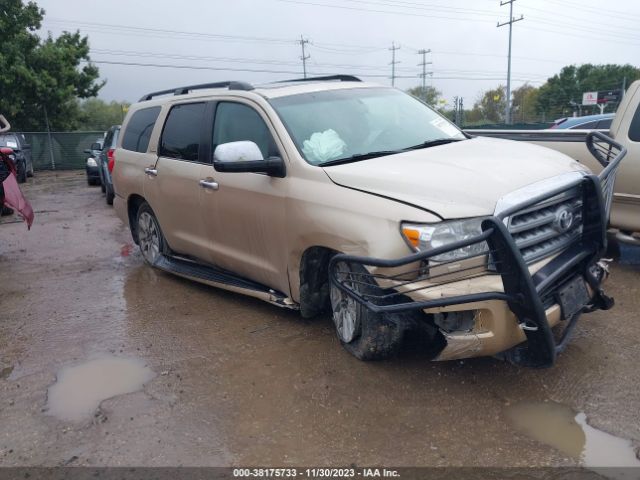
237 381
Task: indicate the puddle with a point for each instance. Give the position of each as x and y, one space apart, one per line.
560 427
79 389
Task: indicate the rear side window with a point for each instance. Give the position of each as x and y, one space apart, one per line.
634 129
587 126
182 132
604 124
136 136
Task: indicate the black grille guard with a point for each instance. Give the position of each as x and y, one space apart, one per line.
524 293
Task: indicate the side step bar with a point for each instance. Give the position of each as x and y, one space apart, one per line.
222 279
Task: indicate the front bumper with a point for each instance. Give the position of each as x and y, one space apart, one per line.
523 305
92 172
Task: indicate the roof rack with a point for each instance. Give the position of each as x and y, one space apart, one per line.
231 85
341 78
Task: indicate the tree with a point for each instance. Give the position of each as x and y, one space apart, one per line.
430 95
562 92
524 103
96 114
41 75
492 104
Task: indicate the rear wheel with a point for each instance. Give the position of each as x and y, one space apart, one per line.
109 194
364 334
30 170
22 171
150 238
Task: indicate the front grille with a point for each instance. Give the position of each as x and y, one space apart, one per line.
548 226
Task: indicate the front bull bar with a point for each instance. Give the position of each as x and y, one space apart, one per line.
525 294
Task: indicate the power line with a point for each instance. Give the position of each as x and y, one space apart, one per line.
293 72
510 23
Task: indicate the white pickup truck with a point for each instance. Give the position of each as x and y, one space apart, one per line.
625 129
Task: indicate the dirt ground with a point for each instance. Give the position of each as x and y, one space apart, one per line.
237 381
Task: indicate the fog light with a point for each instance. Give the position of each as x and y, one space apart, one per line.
456 321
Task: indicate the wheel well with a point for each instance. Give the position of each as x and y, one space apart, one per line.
314 281
133 205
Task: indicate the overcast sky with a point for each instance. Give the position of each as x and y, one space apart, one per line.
221 39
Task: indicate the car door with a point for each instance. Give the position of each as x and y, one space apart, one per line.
245 214
172 184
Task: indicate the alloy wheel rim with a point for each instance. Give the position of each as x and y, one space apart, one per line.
148 237
344 308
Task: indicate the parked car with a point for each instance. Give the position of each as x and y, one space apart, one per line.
625 129
587 122
105 162
21 154
92 168
335 194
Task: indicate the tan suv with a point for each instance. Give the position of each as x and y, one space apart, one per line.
335 194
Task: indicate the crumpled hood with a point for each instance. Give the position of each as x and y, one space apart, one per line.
456 180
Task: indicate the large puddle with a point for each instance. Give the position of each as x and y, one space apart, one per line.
79 389
559 426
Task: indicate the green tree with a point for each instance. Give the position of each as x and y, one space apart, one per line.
41 74
430 95
524 103
96 114
563 92
492 104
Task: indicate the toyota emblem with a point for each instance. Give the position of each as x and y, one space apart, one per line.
564 220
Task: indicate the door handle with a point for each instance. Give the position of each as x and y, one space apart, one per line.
152 172
209 184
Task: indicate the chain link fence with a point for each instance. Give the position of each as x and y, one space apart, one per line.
65 150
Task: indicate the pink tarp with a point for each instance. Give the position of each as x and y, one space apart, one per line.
13 196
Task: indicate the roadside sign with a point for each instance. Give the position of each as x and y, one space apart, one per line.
608 96
590 98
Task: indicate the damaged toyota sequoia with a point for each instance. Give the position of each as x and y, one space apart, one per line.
332 194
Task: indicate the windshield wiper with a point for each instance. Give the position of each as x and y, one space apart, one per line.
434 143
359 156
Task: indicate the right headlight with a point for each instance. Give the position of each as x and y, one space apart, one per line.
424 237
91 162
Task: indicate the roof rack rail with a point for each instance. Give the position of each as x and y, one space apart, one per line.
231 85
341 78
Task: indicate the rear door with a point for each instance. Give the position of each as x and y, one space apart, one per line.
172 185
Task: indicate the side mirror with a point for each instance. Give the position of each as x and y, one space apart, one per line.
95 146
245 156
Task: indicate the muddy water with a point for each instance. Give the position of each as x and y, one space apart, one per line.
559 426
79 389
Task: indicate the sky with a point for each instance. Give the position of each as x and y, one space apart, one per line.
134 42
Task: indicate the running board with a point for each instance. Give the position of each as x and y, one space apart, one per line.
222 279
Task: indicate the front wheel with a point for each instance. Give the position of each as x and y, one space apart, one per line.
150 239
364 334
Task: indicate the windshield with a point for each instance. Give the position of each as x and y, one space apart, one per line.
333 125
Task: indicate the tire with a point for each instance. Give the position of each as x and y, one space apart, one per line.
150 238
364 334
30 171
22 172
109 195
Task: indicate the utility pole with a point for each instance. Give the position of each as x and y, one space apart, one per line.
510 23
303 41
424 73
393 62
